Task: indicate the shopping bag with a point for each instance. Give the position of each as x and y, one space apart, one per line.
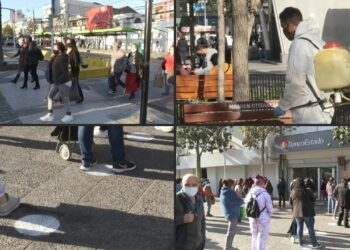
74 93
242 212
158 81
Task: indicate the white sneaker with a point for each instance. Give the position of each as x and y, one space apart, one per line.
67 118
99 133
47 118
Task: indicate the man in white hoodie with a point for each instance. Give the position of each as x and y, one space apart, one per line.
259 227
301 85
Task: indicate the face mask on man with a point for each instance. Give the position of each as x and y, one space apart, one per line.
190 191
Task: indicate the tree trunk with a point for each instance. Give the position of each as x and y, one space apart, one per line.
198 166
262 158
240 50
1 52
192 35
221 50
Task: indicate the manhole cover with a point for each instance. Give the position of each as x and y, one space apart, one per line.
139 137
37 224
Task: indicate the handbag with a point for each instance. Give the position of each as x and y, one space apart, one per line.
74 94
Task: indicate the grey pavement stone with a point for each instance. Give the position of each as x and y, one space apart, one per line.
124 211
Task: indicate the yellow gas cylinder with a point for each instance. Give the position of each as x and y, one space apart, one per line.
332 67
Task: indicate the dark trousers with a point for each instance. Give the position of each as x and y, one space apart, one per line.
344 213
75 80
32 68
281 196
114 81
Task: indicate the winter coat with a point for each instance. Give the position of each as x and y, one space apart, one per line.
302 201
118 61
281 187
189 236
264 200
230 203
330 188
32 55
74 63
300 68
342 194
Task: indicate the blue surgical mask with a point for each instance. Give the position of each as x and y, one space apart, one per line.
190 191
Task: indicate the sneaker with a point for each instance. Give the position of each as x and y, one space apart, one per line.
112 92
317 246
11 204
123 166
67 118
86 166
292 239
100 133
47 118
209 215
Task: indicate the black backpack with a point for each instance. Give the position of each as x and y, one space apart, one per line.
253 210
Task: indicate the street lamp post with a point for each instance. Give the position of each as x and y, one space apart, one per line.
146 68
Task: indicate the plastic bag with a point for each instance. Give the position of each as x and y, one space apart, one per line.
242 212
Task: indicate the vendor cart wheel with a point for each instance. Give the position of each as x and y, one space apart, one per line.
65 152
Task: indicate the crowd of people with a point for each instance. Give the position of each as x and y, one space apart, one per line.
254 196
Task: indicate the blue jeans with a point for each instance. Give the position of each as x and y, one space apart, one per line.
208 205
116 140
331 204
310 223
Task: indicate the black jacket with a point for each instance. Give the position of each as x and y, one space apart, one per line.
342 194
189 236
60 72
74 63
32 55
48 72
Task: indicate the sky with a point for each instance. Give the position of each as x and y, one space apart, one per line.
38 4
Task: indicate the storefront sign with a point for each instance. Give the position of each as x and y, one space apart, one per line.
308 141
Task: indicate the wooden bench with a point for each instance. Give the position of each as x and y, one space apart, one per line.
231 112
201 87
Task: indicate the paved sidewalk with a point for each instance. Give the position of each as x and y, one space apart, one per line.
133 210
26 106
328 234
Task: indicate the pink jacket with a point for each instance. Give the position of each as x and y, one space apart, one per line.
329 188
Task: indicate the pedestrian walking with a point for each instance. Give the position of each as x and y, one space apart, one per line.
134 70
21 59
342 194
118 63
281 188
209 196
323 191
74 65
168 67
330 197
239 188
302 200
116 140
189 216
32 56
269 187
61 84
259 226
230 206
182 47
7 203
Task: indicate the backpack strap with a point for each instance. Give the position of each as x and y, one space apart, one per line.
308 83
257 197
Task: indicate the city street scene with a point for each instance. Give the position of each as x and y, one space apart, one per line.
262 62
120 62
55 201
292 174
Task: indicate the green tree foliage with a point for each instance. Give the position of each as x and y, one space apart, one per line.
7 31
255 137
202 139
341 134
31 26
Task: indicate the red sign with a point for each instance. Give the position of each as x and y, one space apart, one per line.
100 17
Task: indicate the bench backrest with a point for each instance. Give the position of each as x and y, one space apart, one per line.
250 111
202 87
96 62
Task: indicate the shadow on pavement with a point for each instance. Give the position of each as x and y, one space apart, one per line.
93 227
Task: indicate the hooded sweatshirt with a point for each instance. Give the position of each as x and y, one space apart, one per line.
300 68
264 200
230 203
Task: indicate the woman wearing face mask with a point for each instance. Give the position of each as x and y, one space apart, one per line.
74 65
168 67
134 70
189 216
61 84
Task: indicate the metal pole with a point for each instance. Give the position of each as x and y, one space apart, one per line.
51 22
146 68
13 28
205 13
33 26
224 163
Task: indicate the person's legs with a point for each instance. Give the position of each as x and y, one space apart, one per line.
346 217
329 204
33 72
231 232
116 139
341 214
64 91
117 77
52 92
284 199
263 233
26 71
111 82
208 206
85 138
279 199
310 223
300 228
254 231
75 80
